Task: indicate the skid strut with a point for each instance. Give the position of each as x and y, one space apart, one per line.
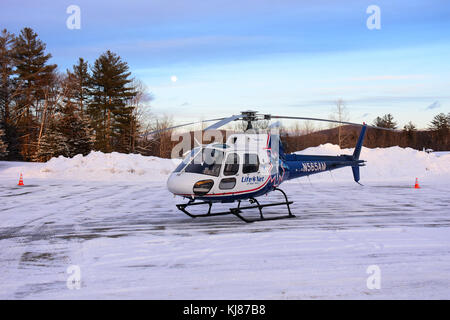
238 210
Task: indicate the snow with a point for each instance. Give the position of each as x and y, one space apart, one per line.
389 164
111 215
99 166
441 153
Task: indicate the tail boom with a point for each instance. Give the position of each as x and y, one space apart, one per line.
303 165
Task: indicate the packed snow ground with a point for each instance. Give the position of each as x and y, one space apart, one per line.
111 215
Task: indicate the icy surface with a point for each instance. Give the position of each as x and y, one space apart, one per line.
130 241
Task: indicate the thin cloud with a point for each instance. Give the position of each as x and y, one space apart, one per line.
390 77
184 42
434 105
368 100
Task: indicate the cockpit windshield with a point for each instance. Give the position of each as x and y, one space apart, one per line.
187 159
208 161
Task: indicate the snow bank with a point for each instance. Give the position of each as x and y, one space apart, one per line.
99 166
388 164
383 164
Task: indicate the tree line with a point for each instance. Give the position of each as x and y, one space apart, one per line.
46 113
436 136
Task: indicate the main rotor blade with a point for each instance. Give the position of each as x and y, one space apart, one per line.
179 126
333 121
224 122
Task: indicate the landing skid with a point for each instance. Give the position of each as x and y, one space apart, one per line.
238 210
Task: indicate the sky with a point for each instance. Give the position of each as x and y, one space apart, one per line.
204 59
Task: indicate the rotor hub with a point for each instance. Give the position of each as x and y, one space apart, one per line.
252 116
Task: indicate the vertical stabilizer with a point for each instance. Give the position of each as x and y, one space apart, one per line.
359 144
357 152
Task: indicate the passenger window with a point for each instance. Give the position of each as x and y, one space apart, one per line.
227 183
251 163
231 165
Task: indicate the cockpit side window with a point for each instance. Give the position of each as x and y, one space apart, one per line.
251 163
187 159
231 165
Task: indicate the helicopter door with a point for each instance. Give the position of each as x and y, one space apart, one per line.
250 172
230 171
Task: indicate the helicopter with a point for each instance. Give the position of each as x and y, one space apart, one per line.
249 165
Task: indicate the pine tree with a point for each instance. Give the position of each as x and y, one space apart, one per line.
33 76
77 132
409 127
124 125
440 122
387 121
440 126
3 145
6 71
111 117
384 137
53 144
410 133
7 93
79 85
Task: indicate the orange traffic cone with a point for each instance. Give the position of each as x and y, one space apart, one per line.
416 186
20 181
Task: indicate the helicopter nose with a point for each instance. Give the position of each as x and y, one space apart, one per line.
177 184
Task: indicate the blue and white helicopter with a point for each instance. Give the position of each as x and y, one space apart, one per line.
249 165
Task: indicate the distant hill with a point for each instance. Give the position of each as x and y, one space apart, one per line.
374 138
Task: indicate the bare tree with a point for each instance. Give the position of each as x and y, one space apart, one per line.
163 138
296 130
54 92
340 113
308 127
141 116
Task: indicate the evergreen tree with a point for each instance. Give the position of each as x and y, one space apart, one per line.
111 90
440 126
3 145
33 75
6 72
410 133
383 137
387 121
77 132
79 85
409 127
440 122
68 134
7 93
53 144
